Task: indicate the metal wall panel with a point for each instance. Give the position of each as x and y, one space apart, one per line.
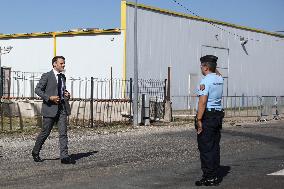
169 40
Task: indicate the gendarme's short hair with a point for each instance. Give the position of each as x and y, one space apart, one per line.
209 58
210 61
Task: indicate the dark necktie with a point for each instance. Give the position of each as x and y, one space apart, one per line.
60 86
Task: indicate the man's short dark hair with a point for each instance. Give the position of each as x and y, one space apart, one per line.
211 66
54 59
210 61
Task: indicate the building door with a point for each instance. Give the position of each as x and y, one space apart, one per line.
193 79
222 63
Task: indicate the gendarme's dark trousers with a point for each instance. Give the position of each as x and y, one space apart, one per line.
209 144
48 122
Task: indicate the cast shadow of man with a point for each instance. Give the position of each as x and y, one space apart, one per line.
82 155
223 172
78 156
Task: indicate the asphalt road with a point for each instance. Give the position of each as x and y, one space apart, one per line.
161 157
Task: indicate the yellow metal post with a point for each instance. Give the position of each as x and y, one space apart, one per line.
123 29
54 43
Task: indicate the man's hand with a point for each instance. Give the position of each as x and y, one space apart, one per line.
199 127
67 94
217 72
54 99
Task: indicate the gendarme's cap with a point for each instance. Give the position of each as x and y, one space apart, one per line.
209 58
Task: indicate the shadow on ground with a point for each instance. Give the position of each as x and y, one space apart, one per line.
223 172
75 156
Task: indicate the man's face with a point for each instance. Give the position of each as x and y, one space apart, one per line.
59 65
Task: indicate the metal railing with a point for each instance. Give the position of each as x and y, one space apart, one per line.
93 101
184 105
268 107
241 106
234 106
261 107
280 106
19 84
22 84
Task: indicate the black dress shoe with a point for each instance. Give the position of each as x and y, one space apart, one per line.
212 182
36 157
200 182
68 160
207 182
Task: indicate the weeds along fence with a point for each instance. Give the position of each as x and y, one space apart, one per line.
261 107
94 101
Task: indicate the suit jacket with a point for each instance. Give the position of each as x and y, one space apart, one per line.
46 87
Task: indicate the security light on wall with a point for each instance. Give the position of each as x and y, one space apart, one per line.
243 41
217 37
5 50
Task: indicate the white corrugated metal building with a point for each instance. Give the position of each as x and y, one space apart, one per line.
165 39
177 40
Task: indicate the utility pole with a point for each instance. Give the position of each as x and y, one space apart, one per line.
136 87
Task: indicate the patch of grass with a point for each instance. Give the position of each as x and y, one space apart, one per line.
104 128
14 125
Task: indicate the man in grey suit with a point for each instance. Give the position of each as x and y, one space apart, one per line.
55 108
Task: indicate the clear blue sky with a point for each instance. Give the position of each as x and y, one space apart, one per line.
26 16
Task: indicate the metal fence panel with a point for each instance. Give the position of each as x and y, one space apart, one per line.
234 106
184 104
153 88
111 101
241 106
280 106
268 107
157 108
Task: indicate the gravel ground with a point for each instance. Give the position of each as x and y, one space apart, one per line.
144 157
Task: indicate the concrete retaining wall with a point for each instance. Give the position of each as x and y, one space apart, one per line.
104 111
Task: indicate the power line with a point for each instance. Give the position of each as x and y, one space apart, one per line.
210 22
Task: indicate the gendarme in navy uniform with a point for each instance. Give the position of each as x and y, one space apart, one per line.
209 120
